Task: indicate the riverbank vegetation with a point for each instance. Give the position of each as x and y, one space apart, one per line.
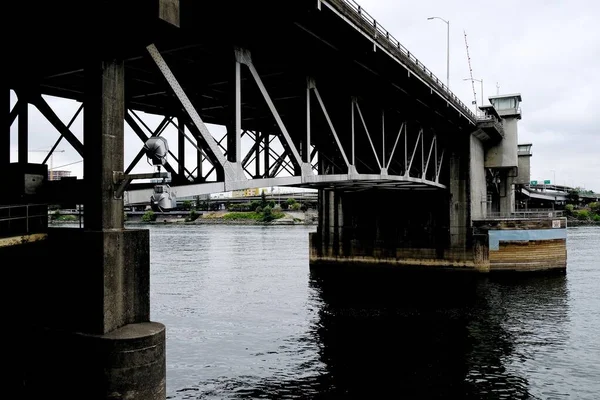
589 213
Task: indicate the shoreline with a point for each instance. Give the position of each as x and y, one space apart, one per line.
290 218
216 218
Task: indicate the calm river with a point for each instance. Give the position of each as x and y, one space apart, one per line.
246 318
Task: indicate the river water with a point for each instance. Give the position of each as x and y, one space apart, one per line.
246 318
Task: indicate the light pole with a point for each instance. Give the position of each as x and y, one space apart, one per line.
553 177
447 49
477 80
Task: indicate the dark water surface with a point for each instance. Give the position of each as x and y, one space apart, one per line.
246 318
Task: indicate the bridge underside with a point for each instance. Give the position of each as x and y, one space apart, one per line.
320 95
335 96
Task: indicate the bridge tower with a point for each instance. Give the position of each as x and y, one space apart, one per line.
502 160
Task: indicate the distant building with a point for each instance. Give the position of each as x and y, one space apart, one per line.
55 175
247 192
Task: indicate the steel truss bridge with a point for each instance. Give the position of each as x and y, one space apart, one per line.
312 94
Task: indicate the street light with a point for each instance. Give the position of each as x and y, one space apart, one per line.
447 50
477 80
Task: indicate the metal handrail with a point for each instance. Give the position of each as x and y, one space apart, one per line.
28 214
525 214
381 32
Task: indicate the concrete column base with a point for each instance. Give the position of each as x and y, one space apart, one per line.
127 363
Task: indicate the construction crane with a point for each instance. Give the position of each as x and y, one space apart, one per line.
51 156
471 72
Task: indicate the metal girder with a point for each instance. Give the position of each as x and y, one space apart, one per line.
228 169
245 58
353 100
182 132
407 172
159 130
41 104
402 127
367 132
13 114
433 143
138 130
383 138
256 145
181 147
281 163
60 137
437 175
22 132
337 140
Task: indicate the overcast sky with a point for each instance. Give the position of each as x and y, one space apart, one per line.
549 51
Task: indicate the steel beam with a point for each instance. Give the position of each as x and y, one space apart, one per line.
181 147
61 137
306 147
383 137
13 113
246 59
141 153
335 136
433 143
5 133
437 175
266 155
352 101
138 130
23 130
407 172
41 104
367 132
210 141
402 127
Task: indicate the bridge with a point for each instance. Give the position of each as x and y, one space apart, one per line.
310 93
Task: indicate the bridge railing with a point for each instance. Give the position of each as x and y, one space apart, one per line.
525 214
395 46
23 219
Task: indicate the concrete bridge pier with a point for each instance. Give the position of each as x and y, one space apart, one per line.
380 226
417 226
85 320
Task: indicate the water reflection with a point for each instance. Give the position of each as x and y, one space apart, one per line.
241 324
418 335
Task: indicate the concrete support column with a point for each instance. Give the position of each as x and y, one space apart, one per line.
103 131
90 332
339 226
331 221
460 205
507 195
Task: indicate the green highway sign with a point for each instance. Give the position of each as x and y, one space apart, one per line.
547 182
533 182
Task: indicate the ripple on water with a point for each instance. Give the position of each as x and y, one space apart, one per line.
246 318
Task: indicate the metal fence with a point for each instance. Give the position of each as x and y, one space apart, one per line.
382 36
23 219
526 214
